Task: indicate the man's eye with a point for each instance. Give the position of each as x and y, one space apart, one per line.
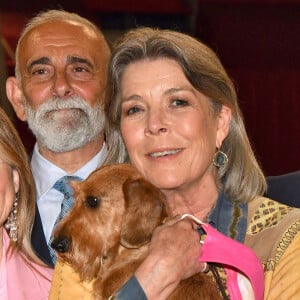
39 72
179 102
80 69
80 73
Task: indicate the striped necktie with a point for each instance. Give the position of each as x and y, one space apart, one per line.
62 185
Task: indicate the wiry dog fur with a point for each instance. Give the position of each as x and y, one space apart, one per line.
106 234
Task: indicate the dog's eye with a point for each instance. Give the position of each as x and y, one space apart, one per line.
92 201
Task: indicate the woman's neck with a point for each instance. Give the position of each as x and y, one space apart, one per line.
198 202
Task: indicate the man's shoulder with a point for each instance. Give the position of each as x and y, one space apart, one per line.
285 188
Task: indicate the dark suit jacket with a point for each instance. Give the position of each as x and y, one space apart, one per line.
39 242
285 188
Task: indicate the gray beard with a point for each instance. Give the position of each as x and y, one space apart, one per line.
61 131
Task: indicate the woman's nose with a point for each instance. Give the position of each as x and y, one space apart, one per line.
62 87
156 123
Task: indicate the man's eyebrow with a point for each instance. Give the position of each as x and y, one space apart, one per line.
40 61
76 59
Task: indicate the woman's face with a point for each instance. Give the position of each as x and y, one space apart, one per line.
168 126
9 186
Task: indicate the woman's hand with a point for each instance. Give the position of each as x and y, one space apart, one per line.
173 255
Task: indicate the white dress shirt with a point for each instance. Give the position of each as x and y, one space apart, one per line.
45 175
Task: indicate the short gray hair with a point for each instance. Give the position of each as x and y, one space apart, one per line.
52 16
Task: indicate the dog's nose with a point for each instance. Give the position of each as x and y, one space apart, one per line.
61 244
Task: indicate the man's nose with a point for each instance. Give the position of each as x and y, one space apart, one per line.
62 86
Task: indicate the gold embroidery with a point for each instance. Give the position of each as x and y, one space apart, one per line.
236 215
267 215
285 241
269 265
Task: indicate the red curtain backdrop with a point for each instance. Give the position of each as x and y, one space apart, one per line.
259 44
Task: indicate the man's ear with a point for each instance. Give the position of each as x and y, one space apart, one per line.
15 96
224 119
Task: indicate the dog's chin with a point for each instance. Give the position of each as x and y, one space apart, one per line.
62 258
86 269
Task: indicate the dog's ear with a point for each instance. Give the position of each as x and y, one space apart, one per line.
145 209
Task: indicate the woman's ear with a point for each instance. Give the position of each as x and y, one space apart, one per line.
16 179
15 96
224 119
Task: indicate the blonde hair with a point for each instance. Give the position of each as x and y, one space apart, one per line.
13 153
114 142
242 178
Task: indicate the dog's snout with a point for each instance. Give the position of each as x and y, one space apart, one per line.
61 244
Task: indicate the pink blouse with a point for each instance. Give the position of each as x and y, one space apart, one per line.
21 279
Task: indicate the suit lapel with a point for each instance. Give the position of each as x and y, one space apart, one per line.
38 240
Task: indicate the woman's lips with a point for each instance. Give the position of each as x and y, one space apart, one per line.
161 153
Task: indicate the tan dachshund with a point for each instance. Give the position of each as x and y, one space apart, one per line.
107 232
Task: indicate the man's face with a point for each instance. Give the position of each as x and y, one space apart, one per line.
63 77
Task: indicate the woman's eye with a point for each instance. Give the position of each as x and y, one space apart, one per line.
179 102
133 110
